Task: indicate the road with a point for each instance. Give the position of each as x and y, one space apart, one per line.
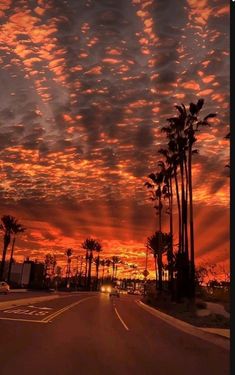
91 334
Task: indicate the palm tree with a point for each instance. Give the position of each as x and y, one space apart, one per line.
159 243
192 125
108 263
86 266
98 249
156 190
91 245
102 263
7 223
181 132
116 267
17 228
49 270
115 261
68 253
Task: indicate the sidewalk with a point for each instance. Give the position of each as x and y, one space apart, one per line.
217 336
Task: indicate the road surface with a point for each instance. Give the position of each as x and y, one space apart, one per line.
91 334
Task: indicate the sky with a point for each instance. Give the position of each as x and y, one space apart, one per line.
86 86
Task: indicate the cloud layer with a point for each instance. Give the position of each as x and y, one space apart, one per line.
86 87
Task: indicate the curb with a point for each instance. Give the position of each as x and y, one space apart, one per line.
218 331
202 333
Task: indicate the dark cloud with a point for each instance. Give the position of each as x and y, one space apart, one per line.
86 86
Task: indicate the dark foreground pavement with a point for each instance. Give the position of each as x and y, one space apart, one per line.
91 334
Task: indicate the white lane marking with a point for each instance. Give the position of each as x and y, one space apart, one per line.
55 314
121 320
26 312
48 318
40 308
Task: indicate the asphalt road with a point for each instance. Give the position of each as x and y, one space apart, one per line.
91 334
18 295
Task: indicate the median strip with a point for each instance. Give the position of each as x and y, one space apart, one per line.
186 327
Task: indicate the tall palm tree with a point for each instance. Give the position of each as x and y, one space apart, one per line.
98 249
193 123
115 261
68 253
102 264
86 266
17 228
7 223
91 245
108 263
181 132
119 261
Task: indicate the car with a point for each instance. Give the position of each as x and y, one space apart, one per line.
114 293
106 289
4 287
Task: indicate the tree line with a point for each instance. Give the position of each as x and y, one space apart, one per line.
11 228
171 187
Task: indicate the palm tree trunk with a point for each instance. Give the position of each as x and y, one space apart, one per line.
103 274
86 268
179 208
186 206
155 264
192 268
171 244
97 268
113 265
182 206
159 261
89 270
6 242
97 271
160 212
11 259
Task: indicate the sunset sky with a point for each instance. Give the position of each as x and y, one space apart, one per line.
86 86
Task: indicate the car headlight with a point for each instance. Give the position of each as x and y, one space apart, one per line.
109 289
102 289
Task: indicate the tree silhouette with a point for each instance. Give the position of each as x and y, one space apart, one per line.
68 253
115 261
91 245
7 224
181 134
159 244
17 228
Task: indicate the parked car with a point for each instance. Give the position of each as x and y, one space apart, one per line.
4 287
114 293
